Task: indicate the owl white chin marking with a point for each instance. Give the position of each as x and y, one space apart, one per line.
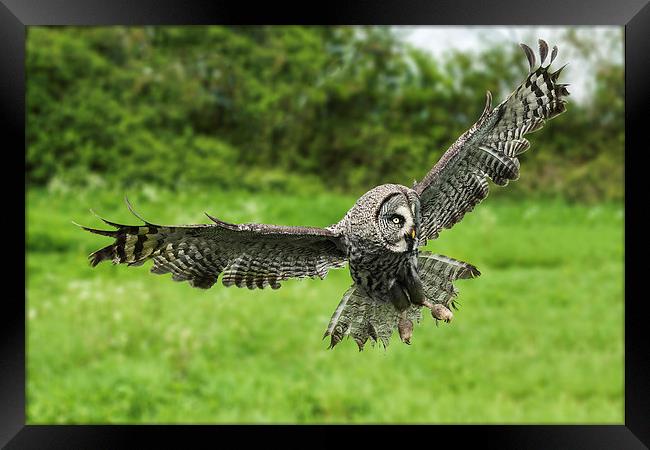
400 247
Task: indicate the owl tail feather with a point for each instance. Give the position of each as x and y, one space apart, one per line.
362 317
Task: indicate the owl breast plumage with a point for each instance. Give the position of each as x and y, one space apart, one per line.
379 237
381 230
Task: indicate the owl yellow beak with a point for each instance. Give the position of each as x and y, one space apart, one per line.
413 233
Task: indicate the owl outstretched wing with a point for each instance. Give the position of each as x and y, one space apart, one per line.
248 255
489 149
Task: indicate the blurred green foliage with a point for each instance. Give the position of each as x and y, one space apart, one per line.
250 108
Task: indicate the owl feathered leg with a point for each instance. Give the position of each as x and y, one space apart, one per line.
413 285
437 273
362 317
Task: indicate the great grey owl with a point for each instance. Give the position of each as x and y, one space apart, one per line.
379 236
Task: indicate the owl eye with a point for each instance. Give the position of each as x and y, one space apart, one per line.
397 219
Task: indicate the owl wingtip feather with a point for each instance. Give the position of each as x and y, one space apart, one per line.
222 223
103 254
108 233
107 222
530 55
132 210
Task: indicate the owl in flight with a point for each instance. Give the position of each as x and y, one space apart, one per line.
378 237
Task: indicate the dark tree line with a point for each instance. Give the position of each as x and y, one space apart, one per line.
283 107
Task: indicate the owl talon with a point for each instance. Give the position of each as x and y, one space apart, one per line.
442 313
439 312
405 328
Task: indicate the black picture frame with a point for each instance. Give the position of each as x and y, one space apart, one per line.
634 15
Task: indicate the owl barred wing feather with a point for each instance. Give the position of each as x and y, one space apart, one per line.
489 149
248 255
362 317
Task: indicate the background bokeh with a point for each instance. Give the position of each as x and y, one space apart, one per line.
288 125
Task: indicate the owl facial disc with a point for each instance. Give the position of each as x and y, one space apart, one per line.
396 223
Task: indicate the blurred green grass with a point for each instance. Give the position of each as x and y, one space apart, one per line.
538 337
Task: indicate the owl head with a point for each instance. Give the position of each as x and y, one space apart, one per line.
387 216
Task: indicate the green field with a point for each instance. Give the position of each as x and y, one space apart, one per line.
538 337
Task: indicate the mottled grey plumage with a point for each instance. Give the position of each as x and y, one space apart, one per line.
379 236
